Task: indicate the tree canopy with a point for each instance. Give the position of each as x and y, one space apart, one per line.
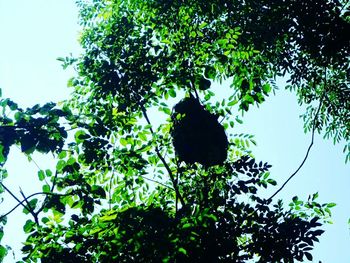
147 167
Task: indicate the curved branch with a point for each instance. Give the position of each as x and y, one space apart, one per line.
307 152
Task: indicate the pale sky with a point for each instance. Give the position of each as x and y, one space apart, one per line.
35 32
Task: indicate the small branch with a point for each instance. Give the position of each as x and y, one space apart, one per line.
172 178
157 182
15 197
21 203
307 152
297 170
31 209
193 87
54 181
52 188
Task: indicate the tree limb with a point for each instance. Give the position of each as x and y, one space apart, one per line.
21 203
171 175
31 209
14 196
307 152
52 188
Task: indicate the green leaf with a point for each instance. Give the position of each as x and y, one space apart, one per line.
2 157
28 226
48 173
222 42
167 111
18 115
182 250
41 175
187 225
109 217
123 141
203 25
272 182
266 88
71 161
45 220
295 199
46 188
248 98
3 253
62 155
238 120
80 136
172 93
60 165
232 103
142 136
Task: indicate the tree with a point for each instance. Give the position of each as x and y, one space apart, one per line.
121 191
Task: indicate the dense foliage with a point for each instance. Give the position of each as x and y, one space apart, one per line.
120 192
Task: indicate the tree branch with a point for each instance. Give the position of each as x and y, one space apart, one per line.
172 178
52 188
31 209
157 182
307 152
21 203
14 196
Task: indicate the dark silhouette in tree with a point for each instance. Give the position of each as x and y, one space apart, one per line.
197 134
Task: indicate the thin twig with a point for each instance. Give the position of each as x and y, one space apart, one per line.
14 196
31 209
157 182
307 152
177 192
28 197
51 190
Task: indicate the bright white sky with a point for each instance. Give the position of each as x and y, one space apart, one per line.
34 33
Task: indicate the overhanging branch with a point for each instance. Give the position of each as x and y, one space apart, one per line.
308 149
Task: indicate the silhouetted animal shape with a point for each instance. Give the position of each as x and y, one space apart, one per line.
197 134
